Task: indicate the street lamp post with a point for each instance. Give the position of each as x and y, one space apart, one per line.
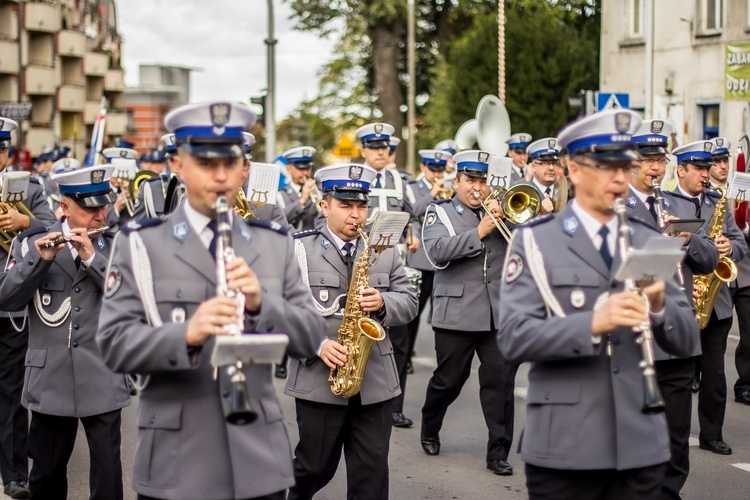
271 95
411 91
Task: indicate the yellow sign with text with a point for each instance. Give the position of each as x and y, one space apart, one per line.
345 148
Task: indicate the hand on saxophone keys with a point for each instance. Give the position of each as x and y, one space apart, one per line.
723 245
371 301
333 354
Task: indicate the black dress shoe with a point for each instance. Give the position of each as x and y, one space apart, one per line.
17 489
399 420
743 397
409 368
719 447
500 467
280 371
696 386
431 445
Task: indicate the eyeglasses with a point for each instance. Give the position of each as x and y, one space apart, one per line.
611 167
660 161
546 164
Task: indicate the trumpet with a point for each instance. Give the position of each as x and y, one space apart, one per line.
519 204
66 239
652 398
314 195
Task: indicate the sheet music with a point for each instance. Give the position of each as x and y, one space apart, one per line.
387 228
263 184
656 261
15 186
499 172
739 188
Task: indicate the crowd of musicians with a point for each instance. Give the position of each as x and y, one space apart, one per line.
110 287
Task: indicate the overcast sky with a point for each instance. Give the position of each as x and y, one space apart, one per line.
224 38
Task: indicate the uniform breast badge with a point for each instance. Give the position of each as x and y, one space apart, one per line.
577 298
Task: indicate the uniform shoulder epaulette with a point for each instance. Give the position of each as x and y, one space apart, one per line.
539 219
109 234
31 232
34 180
136 225
712 193
439 202
643 222
678 195
273 226
306 232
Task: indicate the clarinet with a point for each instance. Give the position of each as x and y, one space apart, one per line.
240 413
661 216
652 398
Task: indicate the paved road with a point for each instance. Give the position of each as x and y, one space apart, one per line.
459 471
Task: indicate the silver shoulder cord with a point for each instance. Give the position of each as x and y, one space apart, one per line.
299 249
24 245
440 211
536 266
148 200
144 280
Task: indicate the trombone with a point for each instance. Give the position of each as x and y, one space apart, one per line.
518 203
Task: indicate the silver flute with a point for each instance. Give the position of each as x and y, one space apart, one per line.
66 239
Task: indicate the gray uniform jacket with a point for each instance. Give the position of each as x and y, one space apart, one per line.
299 216
328 278
639 210
423 198
466 294
583 406
185 447
65 374
743 268
37 203
155 186
723 305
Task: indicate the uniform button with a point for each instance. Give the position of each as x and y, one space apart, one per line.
77 308
616 341
576 350
31 262
75 344
225 394
103 268
172 362
379 282
546 397
46 284
75 327
179 294
471 247
78 289
488 266
576 279
152 419
616 370
669 327
322 280
270 328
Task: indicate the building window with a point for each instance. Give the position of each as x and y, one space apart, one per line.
710 114
636 18
712 12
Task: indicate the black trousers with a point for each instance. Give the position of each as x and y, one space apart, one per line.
606 484
425 296
14 419
399 336
51 442
712 396
455 352
675 381
364 433
279 495
741 298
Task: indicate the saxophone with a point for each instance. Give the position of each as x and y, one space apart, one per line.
707 286
358 332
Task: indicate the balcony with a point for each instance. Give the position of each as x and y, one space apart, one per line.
117 123
8 88
71 72
42 110
91 111
8 57
95 64
114 80
42 17
39 137
71 98
71 44
40 80
41 49
8 21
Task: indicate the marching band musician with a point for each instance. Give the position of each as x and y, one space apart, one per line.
66 379
694 161
14 338
674 373
59 167
427 188
393 143
450 146
297 198
186 448
468 250
360 424
545 162
125 169
517 144
586 436
151 199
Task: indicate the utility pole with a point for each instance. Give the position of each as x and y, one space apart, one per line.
411 115
271 84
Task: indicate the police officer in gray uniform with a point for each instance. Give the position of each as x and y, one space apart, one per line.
13 340
517 144
675 374
151 199
161 313
360 424
66 379
297 198
586 436
467 249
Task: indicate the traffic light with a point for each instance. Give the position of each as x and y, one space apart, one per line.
260 101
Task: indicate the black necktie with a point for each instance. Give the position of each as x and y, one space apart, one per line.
650 201
77 260
478 213
604 248
378 185
346 250
697 203
548 192
523 174
212 246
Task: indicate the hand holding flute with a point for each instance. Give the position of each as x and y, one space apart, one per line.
80 238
